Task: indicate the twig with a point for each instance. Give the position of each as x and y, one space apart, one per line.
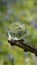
23 45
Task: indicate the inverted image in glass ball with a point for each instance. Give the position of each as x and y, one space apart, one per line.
17 30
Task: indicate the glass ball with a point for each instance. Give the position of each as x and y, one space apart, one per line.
17 30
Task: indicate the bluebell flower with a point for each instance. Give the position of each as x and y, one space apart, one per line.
34 24
10 56
1 43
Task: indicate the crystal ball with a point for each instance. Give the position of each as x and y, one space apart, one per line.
17 30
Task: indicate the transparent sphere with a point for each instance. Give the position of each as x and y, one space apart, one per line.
17 30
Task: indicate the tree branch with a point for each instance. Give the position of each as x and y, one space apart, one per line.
23 45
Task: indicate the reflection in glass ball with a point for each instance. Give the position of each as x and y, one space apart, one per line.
17 30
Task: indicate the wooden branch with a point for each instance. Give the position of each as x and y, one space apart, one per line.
23 45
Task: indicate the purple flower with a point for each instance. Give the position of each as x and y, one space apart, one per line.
1 43
10 56
34 24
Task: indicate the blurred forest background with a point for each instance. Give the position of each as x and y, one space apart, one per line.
24 11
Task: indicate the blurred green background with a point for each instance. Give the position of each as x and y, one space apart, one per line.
24 11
